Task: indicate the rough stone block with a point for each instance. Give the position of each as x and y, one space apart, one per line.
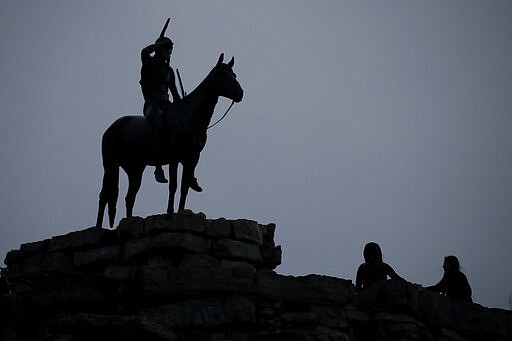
29 249
13 257
476 321
72 291
401 326
192 222
450 335
101 256
177 241
88 238
242 269
247 230
130 228
331 316
268 232
191 260
205 313
271 256
323 333
202 313
160 223
218 228
240 309
235 249
167 280
352 313
436 309
170 316
112 327
47 262
300 317
121 272
183 221
313 289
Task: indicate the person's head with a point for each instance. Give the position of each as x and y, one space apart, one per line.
372 253
451 264
164 47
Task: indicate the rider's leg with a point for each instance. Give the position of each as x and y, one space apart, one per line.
159 148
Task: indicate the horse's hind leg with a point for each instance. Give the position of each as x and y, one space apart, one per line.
183 192
108 195
134 181
173 186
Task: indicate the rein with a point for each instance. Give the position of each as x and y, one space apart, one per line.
220 119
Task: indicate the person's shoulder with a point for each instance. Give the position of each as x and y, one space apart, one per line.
462 276
362 267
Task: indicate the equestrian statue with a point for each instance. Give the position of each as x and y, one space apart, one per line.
168 133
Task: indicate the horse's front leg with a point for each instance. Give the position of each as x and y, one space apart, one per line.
173 186
184 186
134 181
187 177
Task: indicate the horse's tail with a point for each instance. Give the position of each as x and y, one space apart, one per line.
110 187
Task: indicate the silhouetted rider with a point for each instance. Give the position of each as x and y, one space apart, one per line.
156 79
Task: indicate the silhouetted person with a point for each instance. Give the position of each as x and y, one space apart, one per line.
156 79
454 283
373 269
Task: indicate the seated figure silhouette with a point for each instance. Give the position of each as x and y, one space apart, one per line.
373 269
454 283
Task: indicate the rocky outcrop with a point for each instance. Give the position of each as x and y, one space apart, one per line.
185 277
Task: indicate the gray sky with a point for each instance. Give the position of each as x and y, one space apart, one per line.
386 121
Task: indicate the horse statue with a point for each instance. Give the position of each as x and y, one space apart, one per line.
128 142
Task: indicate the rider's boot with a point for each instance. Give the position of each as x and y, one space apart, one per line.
195 186
160 175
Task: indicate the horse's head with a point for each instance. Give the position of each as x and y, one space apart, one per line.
223 81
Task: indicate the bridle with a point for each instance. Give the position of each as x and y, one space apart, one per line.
220 119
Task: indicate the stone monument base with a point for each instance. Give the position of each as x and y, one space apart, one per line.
186 277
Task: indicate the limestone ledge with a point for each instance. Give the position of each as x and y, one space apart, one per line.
138 239
186 277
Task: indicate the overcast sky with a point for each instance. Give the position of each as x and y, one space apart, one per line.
386 121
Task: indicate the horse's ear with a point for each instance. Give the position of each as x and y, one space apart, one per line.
221 58
231 62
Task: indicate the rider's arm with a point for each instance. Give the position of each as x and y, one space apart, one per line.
146 52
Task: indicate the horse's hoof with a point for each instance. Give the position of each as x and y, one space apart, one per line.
168 215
